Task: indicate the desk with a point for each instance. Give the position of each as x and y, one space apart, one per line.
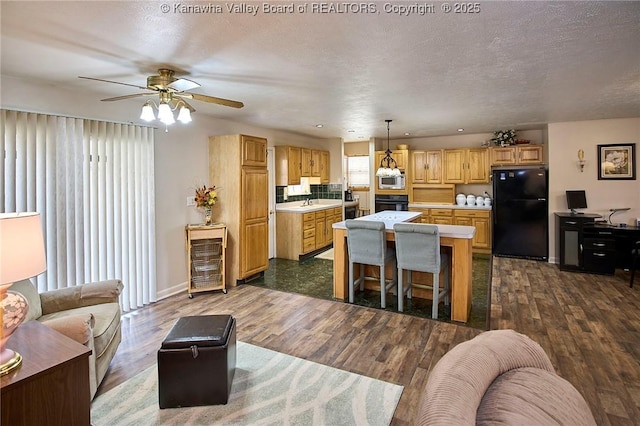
51 387
457 238
584 246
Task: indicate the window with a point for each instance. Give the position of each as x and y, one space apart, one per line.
358 171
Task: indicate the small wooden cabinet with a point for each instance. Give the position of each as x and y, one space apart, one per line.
206 245
516 155
469 165
426 167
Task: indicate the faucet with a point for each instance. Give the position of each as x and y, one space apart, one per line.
307 202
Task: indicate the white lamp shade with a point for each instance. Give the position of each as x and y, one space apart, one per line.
21 247
147 113
165 114
184 116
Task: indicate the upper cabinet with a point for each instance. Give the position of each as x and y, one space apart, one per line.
469 165
324 167
307 161
293 162
254 151
518 154
288 165
426 166
400 155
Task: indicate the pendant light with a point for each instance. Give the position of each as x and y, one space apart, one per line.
388 166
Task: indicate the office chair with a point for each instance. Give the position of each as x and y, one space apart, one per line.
367 245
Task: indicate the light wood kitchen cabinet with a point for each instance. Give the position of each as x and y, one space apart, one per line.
324 167
321 228
236 166
470 165
481 220
516 155
288 165
320 165
426 167
254 151
302 233
306 162
400 155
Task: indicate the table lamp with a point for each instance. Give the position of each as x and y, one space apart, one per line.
21 257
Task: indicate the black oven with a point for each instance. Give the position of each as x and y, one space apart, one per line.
392 202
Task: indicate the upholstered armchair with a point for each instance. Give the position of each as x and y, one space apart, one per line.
87 313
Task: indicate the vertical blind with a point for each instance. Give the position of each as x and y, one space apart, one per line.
93 184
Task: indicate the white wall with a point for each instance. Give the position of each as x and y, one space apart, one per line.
565 139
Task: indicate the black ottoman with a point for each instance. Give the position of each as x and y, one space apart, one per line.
197 361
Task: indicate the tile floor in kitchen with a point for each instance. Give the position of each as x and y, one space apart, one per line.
314 277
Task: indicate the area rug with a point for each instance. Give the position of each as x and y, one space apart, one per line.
268 388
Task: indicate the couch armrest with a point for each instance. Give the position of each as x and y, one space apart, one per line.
78 327
81 295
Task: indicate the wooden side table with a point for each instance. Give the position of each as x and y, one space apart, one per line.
51 387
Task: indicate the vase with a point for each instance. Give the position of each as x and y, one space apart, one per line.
208 219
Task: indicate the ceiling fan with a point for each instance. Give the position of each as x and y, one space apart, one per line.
172 92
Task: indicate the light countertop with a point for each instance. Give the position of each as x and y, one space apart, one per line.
390 217
316 205
448 206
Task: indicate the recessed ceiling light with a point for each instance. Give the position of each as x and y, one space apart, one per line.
407 133
319 126
461 129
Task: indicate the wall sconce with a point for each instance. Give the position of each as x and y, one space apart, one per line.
581 161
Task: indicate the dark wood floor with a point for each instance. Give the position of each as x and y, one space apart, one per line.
589 325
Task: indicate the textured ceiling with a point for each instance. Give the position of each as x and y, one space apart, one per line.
510 65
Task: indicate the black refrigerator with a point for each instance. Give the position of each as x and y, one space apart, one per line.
520 213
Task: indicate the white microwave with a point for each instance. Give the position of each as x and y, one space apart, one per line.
391 182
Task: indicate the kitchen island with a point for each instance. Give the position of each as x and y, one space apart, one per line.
456 238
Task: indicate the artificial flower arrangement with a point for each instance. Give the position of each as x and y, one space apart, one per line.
206 196
504 137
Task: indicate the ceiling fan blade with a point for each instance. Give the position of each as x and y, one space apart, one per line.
115 82
211 99
182 84
119 98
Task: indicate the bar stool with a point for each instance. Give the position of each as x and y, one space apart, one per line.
367 245
418 249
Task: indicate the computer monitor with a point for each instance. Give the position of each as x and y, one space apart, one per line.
576 200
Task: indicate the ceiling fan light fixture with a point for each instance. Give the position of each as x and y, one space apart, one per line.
388 166
165 114
184 116
147 112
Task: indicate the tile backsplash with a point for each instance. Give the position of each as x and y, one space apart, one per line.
330 191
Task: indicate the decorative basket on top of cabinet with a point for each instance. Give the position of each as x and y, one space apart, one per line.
206 246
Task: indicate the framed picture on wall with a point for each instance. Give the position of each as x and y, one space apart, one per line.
617 161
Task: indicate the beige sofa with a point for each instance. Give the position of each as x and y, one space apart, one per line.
500 377
87 313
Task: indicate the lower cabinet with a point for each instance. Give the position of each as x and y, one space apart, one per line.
302 233
480 219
